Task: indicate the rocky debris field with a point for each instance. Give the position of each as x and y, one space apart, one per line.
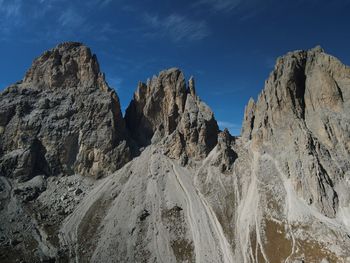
81 183
32 212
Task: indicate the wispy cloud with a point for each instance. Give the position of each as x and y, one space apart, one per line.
10 17
219 5
235 129
100 3
105 2
176 27
114 81
52 20
242 9
71 18
10 8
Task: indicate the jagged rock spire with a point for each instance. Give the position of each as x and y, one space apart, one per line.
191 86
166 108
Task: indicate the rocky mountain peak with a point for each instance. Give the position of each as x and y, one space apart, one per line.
278 193
68 65
62 118
300 82
300 118
317 49
166 107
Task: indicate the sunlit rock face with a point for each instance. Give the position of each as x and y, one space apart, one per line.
301 118
61 119
167 110
80 183
298 133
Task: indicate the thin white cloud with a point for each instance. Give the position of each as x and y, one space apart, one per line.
242 9
219 5
10 17
98 3
71 18
176 27
23 14
105 2
235 129
114 81
227 124
10 8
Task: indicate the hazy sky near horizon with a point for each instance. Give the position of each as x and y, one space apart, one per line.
229 46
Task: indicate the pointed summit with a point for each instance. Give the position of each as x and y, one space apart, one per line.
191 86
68 65
166 108
75 126
301 117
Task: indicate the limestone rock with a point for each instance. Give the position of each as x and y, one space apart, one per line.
227 155
166 107
248 121
278 193
69 65
301 118
62 118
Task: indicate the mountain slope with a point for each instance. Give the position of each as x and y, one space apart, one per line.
298 135
278 193
61 119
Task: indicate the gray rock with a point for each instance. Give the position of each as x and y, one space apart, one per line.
301 118
166 108
278 193
227 155
78 191
62 118
248 121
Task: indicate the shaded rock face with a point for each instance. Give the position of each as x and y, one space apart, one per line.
302 119
62 118
278 193
227 155
166 109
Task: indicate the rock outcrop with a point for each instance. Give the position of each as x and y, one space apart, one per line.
62 119
167 110
278 193
301 118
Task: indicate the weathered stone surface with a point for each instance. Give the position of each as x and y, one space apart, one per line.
301 118
167 109
248 121
227 155
62 118
278 193
69 65
268 196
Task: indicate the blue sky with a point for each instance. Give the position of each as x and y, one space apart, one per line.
228 45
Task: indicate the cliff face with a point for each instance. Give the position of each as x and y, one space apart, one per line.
298 136
167 110
278 193
301 118
61 119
